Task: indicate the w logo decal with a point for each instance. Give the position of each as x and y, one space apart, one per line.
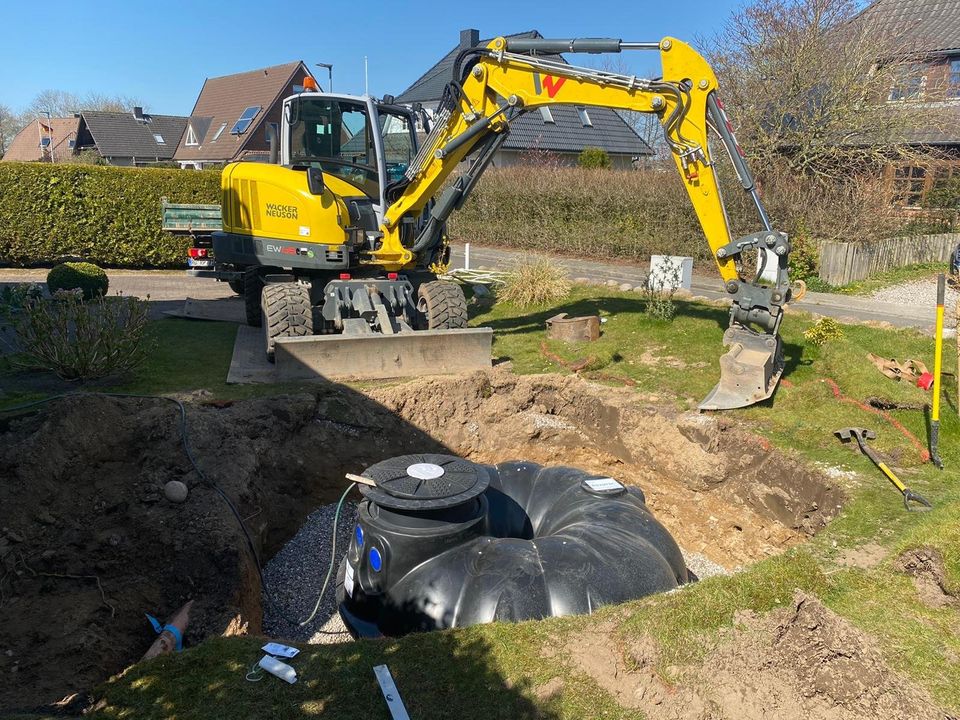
551 83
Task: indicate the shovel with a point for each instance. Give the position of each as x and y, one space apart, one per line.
861 435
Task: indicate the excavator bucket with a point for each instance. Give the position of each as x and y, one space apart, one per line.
749 371
374 355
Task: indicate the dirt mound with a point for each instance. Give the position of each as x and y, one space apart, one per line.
88 543
721 491
802 662
925 566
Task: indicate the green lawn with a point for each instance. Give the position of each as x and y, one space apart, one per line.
493 671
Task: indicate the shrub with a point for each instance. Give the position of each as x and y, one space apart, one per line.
594 157
823 331
804 258
17 296
658 291
108 215
86 277
538 281
82 341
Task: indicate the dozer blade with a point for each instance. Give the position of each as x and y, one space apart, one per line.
371 356
749 371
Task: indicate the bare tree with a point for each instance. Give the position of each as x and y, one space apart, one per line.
10 125
62 103
808 82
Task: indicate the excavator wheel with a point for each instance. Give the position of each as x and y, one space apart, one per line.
442 305
287 312
252 288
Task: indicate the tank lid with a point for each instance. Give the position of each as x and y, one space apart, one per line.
424 482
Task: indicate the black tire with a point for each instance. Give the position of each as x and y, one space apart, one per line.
236 286
286 313
252 288
442 305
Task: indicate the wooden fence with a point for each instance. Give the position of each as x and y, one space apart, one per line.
844 263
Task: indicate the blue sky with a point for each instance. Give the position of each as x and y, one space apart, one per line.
161 51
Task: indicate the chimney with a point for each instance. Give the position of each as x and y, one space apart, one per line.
469 38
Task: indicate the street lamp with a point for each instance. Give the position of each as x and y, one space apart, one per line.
329 68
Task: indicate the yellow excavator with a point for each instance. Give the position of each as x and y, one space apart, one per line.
341 235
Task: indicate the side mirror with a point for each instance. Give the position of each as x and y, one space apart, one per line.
315 181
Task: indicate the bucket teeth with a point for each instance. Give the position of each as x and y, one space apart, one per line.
749 370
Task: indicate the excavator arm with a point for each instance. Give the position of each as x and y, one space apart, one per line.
493 85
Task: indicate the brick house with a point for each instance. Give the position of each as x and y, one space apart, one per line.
230 118
44 140
932 27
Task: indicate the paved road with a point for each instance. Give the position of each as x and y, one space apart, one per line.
168 289
854 309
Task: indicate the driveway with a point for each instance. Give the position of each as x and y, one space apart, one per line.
168 289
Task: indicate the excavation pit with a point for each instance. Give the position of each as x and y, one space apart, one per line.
87 536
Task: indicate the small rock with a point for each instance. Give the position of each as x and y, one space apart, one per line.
639 289
45 517
582 281
626 287
612 283
481 291
175 491
15 536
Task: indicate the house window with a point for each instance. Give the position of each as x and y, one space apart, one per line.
546 114
219 132
953 83
240 127
909 182
159 138
584 118
908 84
923 186
71 143
191 137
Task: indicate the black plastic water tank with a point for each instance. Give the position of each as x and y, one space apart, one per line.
442 542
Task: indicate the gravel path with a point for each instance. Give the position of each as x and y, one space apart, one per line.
922 293
295 576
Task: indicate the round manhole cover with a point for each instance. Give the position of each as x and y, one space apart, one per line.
424 482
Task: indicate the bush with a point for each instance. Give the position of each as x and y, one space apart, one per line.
538 281
658 291
594 158
89 279
823 331
108 215
82 341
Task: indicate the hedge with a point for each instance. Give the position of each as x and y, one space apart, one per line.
107 215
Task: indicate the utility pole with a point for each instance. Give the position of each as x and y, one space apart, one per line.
329 67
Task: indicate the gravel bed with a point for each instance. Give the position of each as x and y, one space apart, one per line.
922 293
295 576
701 566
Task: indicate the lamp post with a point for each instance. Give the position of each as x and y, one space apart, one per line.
329 67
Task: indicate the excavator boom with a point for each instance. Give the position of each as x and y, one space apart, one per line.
494 84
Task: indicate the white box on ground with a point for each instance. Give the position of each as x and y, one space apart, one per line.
671 272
